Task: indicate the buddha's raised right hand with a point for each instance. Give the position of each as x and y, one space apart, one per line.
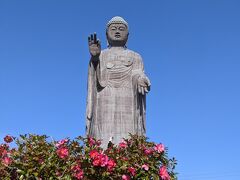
94 45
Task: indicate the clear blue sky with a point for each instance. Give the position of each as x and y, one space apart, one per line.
191 52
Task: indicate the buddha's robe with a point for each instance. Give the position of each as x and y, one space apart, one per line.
114 106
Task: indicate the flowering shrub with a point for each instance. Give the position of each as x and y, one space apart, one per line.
36 158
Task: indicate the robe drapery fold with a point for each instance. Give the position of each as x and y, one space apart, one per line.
114 106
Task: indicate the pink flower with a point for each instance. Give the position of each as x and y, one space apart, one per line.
111 165
123 144
159 148
104 160
58 173
3 152
145 167
163 173
61 142
7 160
125 177
132 170
100 160
79 174
94 153
98 142
124 158
148 151
75 168
77 171
91 141
41 161
8 139
96 162
62 152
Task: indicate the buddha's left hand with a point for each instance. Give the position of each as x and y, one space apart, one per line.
143 85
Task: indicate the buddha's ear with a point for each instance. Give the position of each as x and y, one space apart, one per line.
127 36
107 32
108 45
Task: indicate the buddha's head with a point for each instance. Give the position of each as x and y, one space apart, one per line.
117 32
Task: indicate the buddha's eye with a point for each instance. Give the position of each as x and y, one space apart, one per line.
121 28
113 28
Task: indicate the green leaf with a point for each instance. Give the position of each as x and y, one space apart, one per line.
21 177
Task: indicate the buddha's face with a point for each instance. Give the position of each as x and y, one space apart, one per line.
117 34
